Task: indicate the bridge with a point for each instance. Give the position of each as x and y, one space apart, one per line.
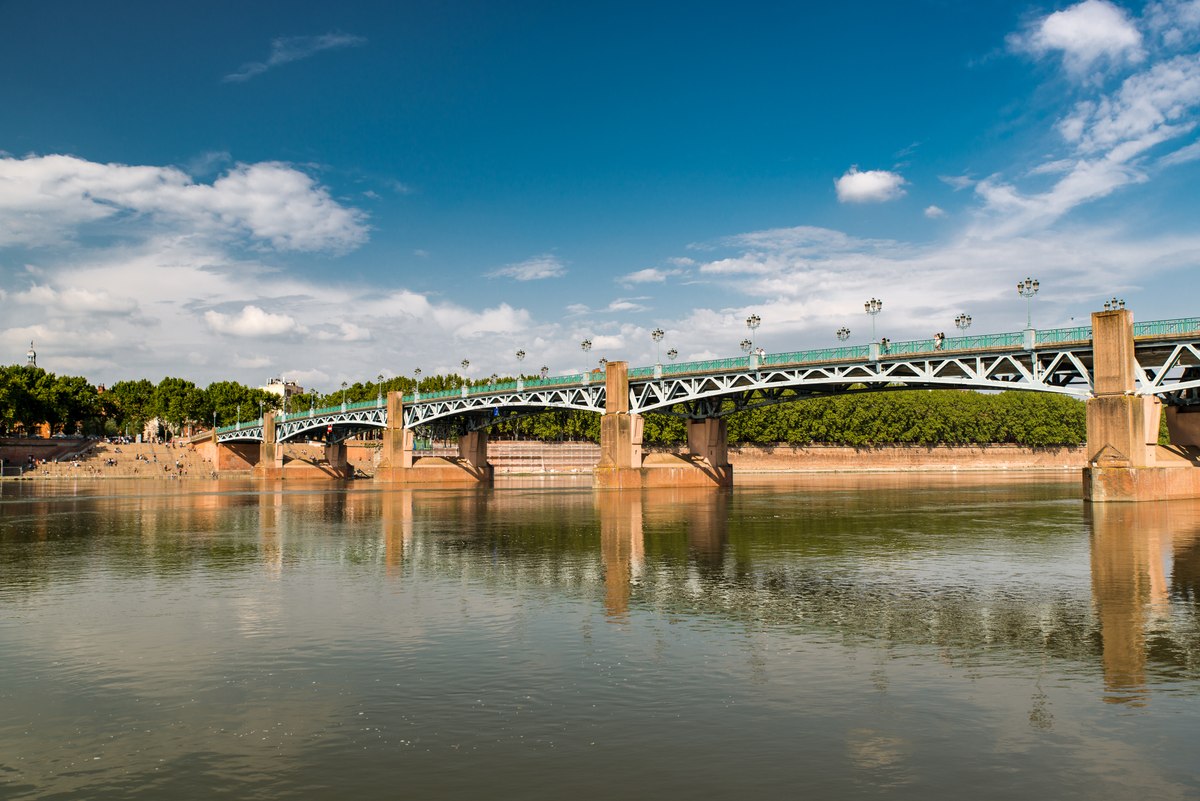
1126 372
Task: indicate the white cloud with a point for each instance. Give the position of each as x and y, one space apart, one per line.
251 321
1180 156
957 182
934 212
1087 35
626 305
46 198
287 49
82 300
650 275
344 332
535 269
869 186
684 261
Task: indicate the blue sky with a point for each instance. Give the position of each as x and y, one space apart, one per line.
326 193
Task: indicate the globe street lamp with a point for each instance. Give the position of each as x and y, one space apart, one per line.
1027 289
963 321
1114 304
657 335
672 353
753 322
379 394
260 410
239 417
586 345
746 345
344 385
873 307
843 333
520 373
492 381
465 363
545 371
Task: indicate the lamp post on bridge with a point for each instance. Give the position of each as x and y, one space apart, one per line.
962 321
464 364
1114 305
416 383
545 371
214 419
753 322
520 374
873 307
379 392
657 335
260 411
586 347
1027 289
239 417
842 334
672 354
344 385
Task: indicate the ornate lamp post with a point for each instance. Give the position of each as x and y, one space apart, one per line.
465 363
545 371
745 345
586 347
520 373
1027 289
842 333
1114 304
753 322
260 411
492 381
214 420
672 354
379 394
344 385
873 307
657 335
239 417
963 321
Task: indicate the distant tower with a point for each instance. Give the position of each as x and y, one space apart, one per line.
31 356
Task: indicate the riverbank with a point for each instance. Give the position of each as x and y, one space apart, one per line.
104 460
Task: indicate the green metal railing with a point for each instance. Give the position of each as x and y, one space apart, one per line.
1184 325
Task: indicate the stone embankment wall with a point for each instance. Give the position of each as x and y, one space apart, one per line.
581 457
836 458
135 460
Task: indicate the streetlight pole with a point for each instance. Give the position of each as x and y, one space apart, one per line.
842 334
1027 289
239 417
586 347
672 353
963 321
344 385
1114 304
545 371
753 322
657 335
873 307
464 364
520 372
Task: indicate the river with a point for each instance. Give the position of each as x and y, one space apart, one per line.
875 636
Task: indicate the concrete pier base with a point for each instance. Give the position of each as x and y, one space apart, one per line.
1125 463
399 465
622 463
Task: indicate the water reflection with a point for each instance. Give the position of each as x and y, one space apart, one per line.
1140 553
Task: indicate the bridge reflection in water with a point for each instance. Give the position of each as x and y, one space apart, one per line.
665 550
1143 557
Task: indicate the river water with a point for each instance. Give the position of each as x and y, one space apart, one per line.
862 637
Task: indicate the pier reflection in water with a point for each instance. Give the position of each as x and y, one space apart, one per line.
852 636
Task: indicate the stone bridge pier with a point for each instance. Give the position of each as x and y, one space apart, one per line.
398 464
1125 462
622 463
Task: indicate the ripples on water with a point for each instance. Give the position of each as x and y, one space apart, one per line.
860 637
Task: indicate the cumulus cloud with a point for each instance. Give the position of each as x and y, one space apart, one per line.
1087 35
933 212
46 198
251 321
869 186
287 49
535 269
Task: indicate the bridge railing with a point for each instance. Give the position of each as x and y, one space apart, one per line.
1183 325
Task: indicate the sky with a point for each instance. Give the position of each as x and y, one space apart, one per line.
330 192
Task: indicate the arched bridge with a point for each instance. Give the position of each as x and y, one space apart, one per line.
1166 355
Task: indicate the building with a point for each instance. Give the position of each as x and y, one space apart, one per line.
282 387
